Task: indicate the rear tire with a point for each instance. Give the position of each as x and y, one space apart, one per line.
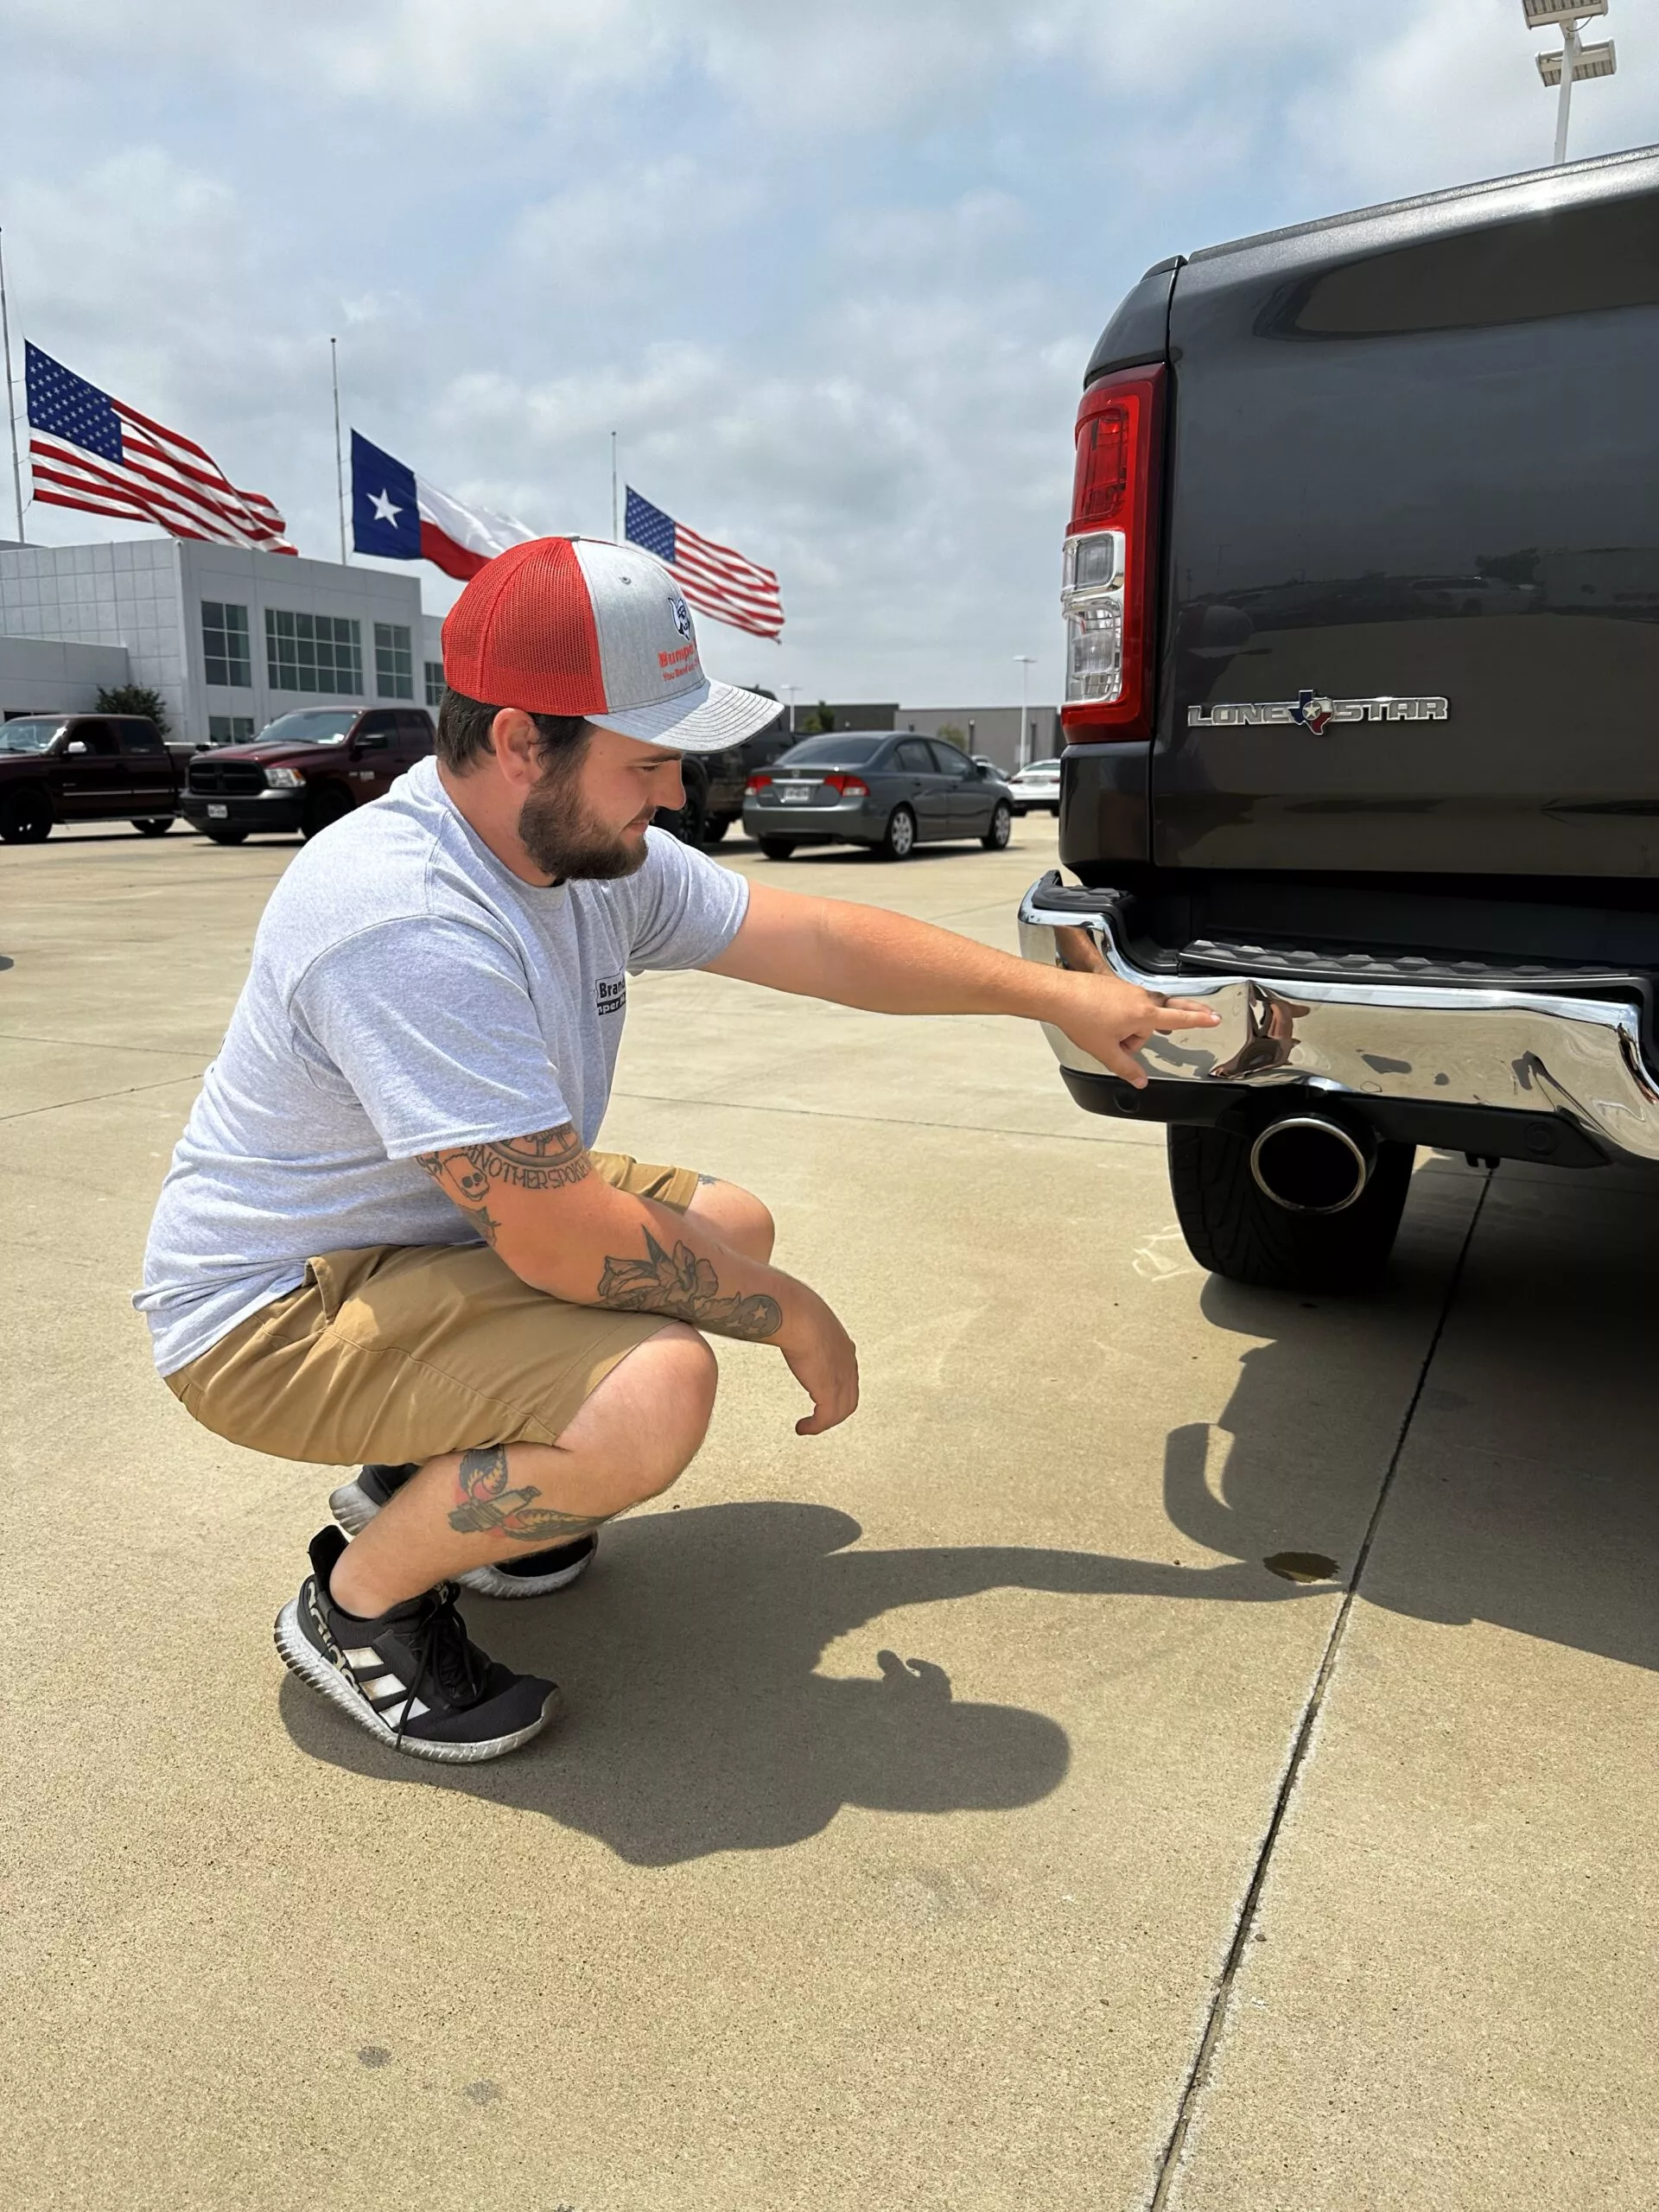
898 838
776 849
226 836
154 825
1233 1228
327 805
996 837
689 822
715 827
26 817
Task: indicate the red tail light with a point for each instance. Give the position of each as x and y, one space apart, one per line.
848 786
756 784
1111 572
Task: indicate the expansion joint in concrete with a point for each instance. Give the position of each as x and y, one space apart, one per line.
1198 2077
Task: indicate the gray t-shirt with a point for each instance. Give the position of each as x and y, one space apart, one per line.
407 992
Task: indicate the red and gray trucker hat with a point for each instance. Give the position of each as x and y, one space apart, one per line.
578 626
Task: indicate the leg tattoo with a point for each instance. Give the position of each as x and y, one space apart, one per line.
487 1504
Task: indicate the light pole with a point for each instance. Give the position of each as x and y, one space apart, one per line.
1573 61
791 690
1027 662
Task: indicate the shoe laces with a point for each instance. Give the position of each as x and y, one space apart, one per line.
447 1657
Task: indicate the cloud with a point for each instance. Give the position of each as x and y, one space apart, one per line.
831 274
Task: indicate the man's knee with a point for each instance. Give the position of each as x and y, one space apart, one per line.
736 1216
650 1414
685 1379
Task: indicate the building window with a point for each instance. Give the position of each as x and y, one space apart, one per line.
434 684
229 729
394 664
225 643
313 652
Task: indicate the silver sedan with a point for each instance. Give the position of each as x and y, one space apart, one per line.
890 791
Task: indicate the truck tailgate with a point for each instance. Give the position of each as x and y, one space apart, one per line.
1412 588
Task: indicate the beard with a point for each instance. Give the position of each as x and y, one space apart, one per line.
565 840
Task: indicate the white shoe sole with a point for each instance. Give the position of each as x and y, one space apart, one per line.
354 1508
300 1656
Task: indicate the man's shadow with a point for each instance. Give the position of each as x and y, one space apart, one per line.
698 1719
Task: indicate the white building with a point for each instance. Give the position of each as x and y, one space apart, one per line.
41 676
230 638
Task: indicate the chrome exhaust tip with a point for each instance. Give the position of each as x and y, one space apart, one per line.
1309 1164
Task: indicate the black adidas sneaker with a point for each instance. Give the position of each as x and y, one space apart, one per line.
413 1677
355 1504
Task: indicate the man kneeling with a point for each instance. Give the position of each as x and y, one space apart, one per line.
384 1237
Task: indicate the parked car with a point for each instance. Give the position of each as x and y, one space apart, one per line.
68 768
304 771
1402 835
1036 787
714 784
874 787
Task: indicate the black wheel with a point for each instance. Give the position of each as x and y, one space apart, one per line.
996 837
1233 1228
899 839
155 825
325 805
226 836
715 827
776 849
26 817
1055 811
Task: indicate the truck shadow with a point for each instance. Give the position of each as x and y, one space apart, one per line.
1525 1494
698 1719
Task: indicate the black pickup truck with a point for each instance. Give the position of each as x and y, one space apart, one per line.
69 768
1362 705
714 785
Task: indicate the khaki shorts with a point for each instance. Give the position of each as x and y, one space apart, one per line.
400 1351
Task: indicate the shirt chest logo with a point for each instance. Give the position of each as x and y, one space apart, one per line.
611 994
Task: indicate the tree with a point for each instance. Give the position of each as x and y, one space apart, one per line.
951 732
820 720
134 699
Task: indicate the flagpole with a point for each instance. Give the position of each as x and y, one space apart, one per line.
340 465
11 400
615 533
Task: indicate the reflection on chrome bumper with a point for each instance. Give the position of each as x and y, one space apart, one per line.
1537 1052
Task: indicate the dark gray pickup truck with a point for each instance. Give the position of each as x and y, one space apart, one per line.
1362 705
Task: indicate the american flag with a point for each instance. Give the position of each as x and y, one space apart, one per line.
87 450
714 580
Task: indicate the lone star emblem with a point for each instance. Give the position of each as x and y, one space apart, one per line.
384 509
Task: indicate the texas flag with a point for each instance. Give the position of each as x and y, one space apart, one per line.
400 517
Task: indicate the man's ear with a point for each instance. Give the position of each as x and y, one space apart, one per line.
517 744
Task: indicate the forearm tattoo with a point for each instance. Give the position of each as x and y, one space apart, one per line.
488 1506
685 1288
550 1160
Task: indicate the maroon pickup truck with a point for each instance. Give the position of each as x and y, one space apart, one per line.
304 771
69 768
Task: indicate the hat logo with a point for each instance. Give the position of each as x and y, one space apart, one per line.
682 616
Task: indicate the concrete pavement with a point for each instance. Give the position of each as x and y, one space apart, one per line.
953 1811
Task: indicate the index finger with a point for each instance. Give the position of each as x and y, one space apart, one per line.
1185 1013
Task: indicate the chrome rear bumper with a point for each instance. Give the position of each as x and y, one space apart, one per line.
1533 1051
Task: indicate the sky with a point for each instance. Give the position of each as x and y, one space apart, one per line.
831 272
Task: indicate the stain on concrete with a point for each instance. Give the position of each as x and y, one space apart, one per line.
1300 1567
482 2093
374 2054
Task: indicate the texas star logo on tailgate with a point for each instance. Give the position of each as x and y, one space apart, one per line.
1313 710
